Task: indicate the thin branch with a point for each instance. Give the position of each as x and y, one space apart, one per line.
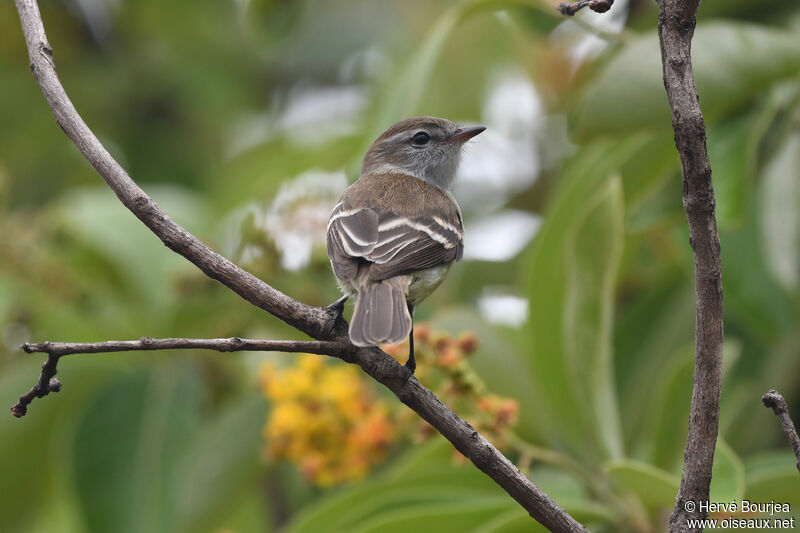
676 23
775 401
47 383
320 323
598 6
231 344
56 350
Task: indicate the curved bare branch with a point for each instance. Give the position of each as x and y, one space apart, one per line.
316 322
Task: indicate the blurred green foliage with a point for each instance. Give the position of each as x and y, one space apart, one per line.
194 100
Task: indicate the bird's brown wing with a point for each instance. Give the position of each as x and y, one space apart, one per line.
391 244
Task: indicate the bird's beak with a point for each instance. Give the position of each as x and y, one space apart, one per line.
462 135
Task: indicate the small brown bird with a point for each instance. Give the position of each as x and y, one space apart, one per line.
395 231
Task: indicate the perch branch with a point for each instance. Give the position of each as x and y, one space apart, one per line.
775 401
321 323
676 23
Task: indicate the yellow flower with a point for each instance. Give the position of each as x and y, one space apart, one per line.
325 420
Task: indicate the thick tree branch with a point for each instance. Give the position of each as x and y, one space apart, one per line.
676 23
320 323
775 401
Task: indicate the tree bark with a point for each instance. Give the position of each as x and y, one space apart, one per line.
676 23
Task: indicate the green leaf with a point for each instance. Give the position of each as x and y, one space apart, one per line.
26 445
126 445
36 446
647 169
667 421
346 508
654 487
387 502
730 149
592 255
727 476
513 521
426 474
655 326
349 507
661 438
450 517
771 476
571 280
779 199
754 300
144 265
433 463
516 520
221 464
732 62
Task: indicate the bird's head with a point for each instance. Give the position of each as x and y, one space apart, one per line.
428 148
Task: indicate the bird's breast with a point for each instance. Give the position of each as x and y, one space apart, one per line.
424 282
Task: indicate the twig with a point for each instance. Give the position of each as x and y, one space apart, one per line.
55 350
47 383
320 323
231 344
676 24
599 6
775 401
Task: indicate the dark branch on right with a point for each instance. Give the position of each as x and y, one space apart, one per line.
775 401
676 23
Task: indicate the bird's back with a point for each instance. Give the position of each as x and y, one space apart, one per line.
402 195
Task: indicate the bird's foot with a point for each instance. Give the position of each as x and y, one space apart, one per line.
410 367
338 305
409 372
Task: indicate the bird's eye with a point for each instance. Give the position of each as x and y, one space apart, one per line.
420 138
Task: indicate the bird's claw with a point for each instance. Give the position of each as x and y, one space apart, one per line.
410 367
338 305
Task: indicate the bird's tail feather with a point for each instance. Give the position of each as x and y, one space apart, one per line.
381 315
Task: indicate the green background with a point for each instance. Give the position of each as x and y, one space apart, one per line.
194 100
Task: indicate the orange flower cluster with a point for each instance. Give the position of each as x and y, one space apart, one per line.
455 381
325 420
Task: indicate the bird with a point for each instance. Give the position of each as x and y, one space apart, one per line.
395 232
